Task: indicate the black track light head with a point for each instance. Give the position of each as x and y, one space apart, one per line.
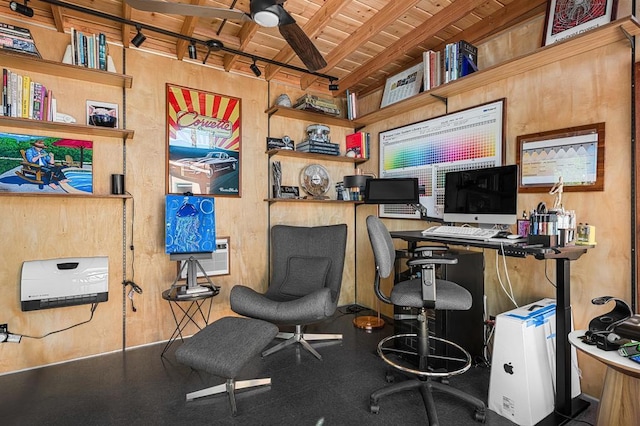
23 9
193 53
139 38
255 69
333 86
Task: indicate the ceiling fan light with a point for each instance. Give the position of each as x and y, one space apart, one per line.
266 18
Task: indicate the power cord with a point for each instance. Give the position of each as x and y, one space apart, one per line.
135 288
93 309
509 293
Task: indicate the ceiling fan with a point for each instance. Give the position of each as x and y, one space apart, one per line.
266 13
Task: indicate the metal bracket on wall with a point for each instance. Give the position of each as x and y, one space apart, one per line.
444 100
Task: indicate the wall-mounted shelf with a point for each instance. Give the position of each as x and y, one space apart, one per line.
594 39
319 157
43 66
315 117
80 129
311 200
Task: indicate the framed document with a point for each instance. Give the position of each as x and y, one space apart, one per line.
567 18
403 85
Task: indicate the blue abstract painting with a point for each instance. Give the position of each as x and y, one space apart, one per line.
190 224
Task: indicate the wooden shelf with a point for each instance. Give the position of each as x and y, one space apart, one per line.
65 195
319 157
311 116
599 37
311 200
31 63
65 127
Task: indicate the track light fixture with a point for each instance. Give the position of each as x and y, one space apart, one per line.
21 8
139 38
333 86
255 69
193 53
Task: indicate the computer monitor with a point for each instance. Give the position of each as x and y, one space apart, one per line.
392 191
483 196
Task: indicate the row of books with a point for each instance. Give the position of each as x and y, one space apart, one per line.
455 61
88 50
17 39
316 147
24 98
358 144
351 105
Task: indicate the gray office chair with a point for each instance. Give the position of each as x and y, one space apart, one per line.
435 359
306 278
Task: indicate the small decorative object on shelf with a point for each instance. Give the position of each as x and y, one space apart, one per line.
283 101
403 85
276 170
315 181
280 143
318 141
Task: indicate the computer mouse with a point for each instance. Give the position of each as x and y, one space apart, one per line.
514 236
502 234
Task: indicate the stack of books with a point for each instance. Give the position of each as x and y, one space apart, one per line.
357 144
23 97
17 39
317 147
456 60
89 50
317 104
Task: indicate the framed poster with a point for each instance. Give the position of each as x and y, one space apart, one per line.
567 18
403 85
203 142
45 164
573 156
190 224
472 138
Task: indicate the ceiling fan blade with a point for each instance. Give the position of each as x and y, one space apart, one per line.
188 10
302 45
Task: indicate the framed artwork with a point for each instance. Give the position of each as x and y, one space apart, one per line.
203 142
403 85
567 18
102 114
190 224
45 164
572 157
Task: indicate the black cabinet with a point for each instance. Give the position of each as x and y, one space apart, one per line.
466 328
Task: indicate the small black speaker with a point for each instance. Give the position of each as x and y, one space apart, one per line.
117 184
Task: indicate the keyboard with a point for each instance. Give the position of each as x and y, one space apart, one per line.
461 232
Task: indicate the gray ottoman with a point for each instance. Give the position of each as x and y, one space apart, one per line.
222 349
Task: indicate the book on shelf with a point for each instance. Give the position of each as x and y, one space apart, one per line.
88 50
357 143
22 97
17 39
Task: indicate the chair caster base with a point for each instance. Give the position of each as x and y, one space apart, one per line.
480 416
374 409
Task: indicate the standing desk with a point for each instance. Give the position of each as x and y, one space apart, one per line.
566 408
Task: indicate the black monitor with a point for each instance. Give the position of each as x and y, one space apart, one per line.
485 196
392 191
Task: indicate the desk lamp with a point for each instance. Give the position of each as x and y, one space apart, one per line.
388 191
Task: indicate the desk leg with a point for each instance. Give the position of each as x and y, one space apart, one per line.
565 407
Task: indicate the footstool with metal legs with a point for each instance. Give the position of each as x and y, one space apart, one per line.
223 348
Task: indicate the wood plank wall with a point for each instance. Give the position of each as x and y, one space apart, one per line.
585 89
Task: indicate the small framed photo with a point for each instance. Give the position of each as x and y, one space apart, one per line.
102 114
523 227
566 19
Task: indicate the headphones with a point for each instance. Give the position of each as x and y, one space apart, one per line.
600 331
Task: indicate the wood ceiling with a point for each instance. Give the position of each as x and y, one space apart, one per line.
362 41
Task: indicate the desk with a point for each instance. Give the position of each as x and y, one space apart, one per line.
565 406
191 314
618 402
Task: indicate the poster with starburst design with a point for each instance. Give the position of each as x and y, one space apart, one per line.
203 142
568 18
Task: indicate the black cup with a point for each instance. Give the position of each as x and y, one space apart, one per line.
117 184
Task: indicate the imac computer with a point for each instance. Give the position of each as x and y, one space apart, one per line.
392 191
486 196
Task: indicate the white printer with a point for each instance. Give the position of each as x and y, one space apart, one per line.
55 283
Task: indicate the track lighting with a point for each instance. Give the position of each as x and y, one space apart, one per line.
255 69
139 38
193 53
333 86
21 8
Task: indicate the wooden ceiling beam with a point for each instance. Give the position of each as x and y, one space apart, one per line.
126 14
385 17
248 30
447 16
513 14
188 27
58 19
318 21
